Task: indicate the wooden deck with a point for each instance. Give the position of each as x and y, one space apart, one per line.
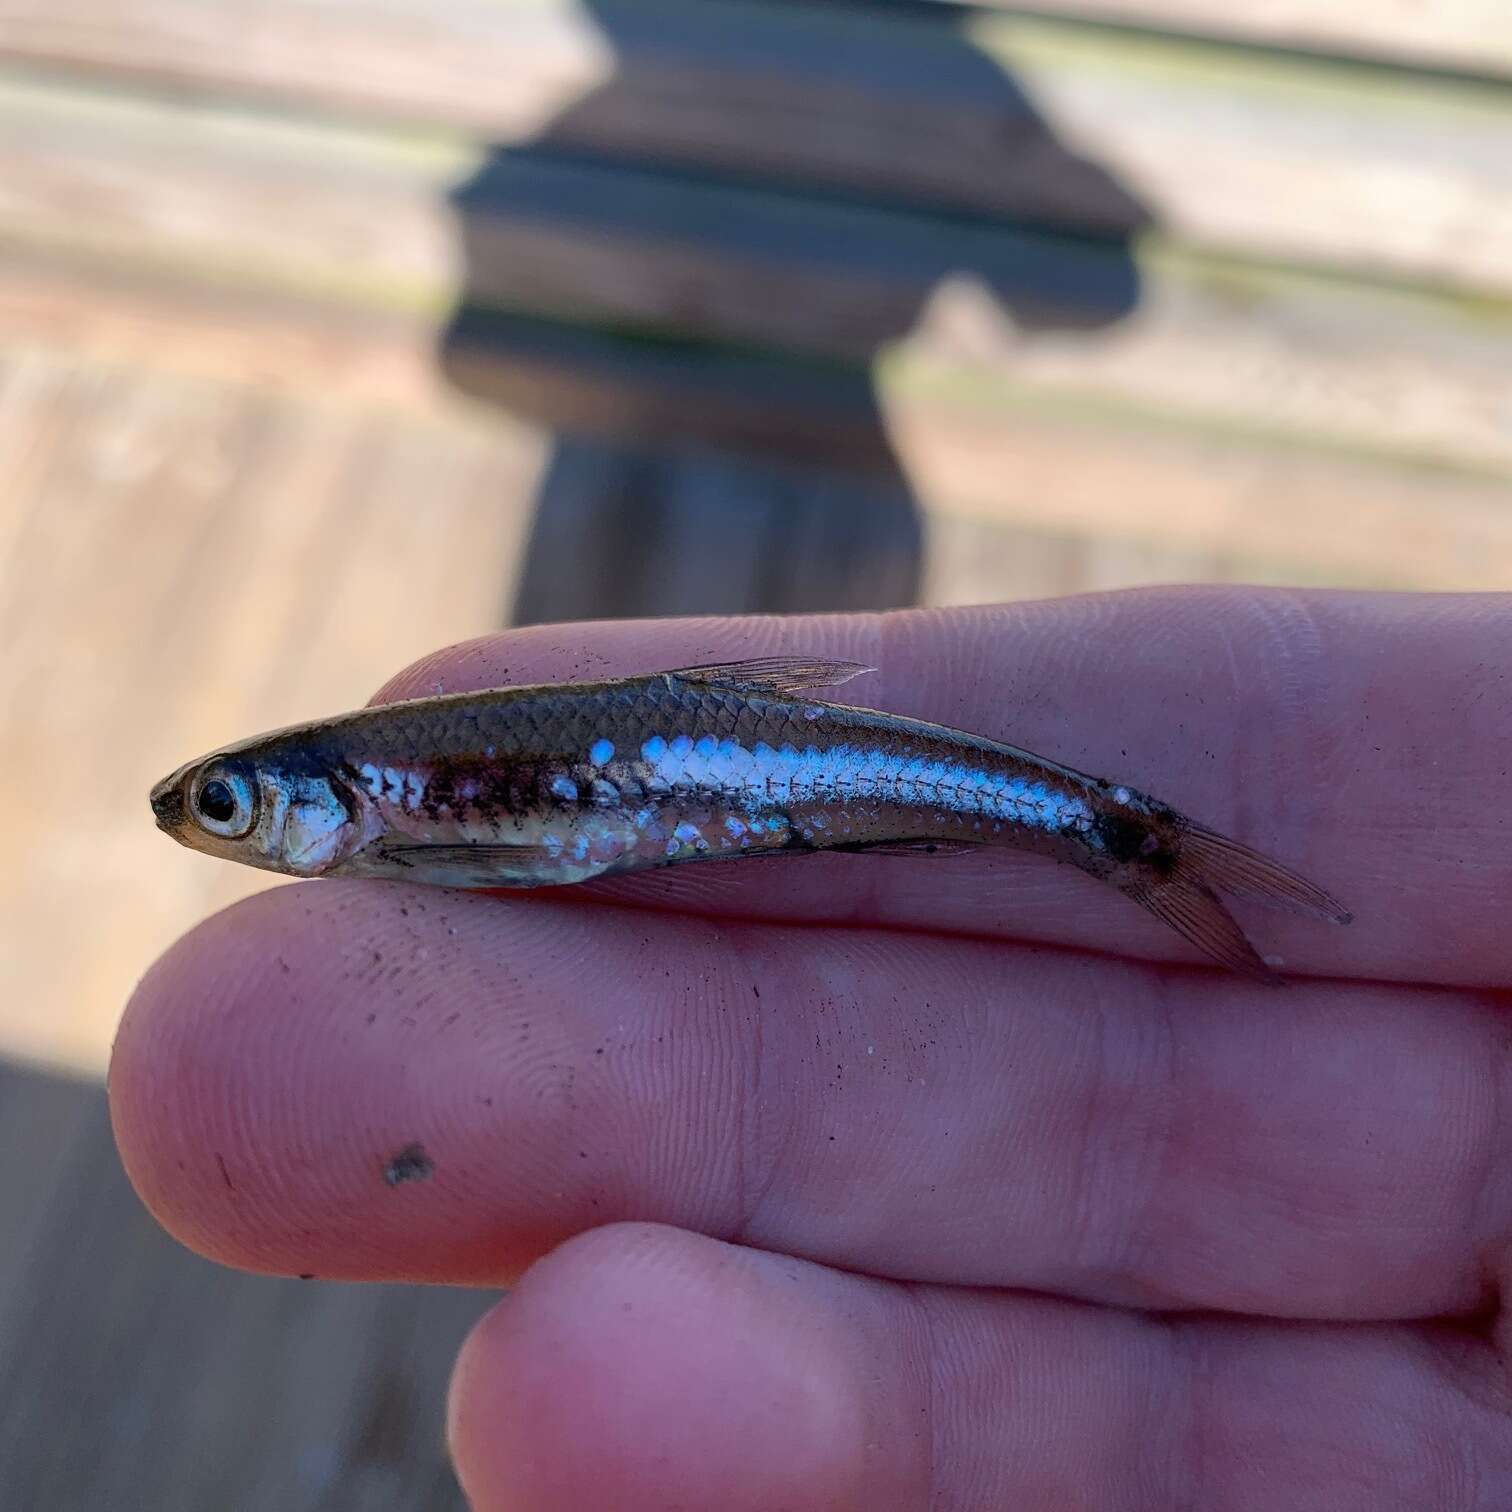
524 309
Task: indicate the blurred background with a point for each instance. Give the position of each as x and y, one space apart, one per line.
334 330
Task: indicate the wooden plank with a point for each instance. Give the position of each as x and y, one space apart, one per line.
191 1385
1221 508
968 443
1376 171
1000 456
1293 511
405 228
1307 513
223 551
1308 160
124 316
1470 35
980 561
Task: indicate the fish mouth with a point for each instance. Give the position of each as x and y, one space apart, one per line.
167 800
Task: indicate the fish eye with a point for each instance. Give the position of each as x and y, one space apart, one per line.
217 802
223 802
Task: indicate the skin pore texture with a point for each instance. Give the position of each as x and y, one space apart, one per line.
902 1183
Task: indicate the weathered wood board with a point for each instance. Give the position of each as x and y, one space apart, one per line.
1474 36
969 107
402 227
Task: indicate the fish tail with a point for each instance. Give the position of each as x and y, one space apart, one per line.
1232 868
1183 893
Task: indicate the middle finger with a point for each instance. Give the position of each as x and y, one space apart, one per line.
387 1081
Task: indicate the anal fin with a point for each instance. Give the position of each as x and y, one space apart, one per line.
485 865
1193 911
499 852
908 847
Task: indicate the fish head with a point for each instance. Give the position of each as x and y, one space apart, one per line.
273 806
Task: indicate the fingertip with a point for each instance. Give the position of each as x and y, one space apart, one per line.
639 1366
145 1067
461 666
183 1015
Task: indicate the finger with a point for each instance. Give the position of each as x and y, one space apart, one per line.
389 1081
1316 727
645 1368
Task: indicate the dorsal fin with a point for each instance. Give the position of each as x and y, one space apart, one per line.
774 674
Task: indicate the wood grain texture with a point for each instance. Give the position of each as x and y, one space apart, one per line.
1315 512
1238 510
1471 35
1378 172
378 222
1322 162
147 320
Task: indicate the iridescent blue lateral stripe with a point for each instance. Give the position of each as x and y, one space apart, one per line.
766 776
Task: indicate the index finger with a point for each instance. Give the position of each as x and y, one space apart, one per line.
1359 738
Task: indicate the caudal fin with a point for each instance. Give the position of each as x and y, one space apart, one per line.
1206 864
1228 867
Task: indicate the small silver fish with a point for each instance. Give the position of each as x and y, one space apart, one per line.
535 786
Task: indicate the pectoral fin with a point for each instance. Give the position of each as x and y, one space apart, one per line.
485 865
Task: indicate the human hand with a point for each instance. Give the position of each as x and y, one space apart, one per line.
903 1183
